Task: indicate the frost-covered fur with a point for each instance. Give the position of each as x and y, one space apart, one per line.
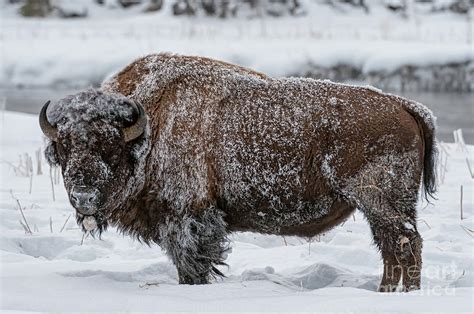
386 192
92 153
229 149
196 244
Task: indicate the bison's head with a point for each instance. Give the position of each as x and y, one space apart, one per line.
99 140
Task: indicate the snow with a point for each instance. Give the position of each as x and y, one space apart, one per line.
50 270
90 49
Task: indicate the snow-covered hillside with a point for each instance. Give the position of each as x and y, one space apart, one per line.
49 270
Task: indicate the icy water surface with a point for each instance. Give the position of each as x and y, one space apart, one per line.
453 110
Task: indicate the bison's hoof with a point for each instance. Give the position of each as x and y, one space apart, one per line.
388 288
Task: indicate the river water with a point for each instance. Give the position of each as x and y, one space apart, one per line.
453 110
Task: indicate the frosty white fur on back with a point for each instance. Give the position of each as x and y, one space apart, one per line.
221 84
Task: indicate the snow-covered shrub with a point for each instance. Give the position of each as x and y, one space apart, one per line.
454 77
184 7
36 8
243 8
69 8
149 5
129 3
239 8
457 6
154 5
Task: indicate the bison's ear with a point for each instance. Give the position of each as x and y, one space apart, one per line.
51 154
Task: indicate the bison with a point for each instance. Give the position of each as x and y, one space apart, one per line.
181 151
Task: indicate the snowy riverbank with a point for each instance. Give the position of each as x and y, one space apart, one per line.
431 52
49 270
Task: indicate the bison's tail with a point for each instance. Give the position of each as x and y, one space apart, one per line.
426 122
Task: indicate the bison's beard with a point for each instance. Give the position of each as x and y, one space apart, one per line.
100 224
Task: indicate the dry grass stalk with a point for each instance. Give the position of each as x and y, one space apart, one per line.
64 225
52 185
27 166
459 139
21 163
57 175
440 164
468 231
51 224
309 240
17 169
26 225
460 202
445 168
84 236
425 222
39 169
469 167
441 144
30 165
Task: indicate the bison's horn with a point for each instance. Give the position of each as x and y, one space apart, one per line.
132 132
48 130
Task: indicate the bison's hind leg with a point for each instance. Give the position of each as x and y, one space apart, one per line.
196 244
386 192
400 244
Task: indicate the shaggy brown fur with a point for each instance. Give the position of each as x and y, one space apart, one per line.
230 149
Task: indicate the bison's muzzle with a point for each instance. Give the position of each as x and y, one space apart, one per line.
85 200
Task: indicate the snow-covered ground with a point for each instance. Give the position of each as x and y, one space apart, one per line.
49 270
36 52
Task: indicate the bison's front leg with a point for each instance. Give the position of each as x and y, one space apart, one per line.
196 244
